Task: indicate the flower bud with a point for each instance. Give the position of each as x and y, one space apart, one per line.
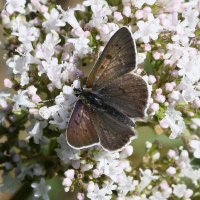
90 187
127 11
168 87
160 98
156 55
188 193
126 152
7 83
69 173
80 196
171 153
171 171
67 182
32 90
96 173
76 164
147 47
151 79
139 14
117 16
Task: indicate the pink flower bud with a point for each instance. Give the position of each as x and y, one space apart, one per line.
147 47
156 55
139 71
81 74
151 79
7 83
171 171
159 91
16 158
43 9
173 96
154 107
76 164
147 10
73 71
168 87
135 182
101 48
96 173
65 56
171 153
105 29
80 196
166 104
51 87
156 156
126 152
162 16
67 182
167 191
174 73
32 90
36 98
98 37
188 193
90 186
40 67
164 185
117 16
123 164
160 98
197 103
69 173
139 14
164 123
37 21
22 144
182 165
167 62
119 178
184 154
127 11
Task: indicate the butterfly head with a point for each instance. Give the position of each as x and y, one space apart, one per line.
77 91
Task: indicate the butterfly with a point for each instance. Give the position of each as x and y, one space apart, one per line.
112 97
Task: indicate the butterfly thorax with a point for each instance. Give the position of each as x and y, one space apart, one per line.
96 103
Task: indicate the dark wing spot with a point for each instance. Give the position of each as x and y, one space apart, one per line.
108 56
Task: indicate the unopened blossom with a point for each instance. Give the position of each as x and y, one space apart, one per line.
127 11
117 16
40 189
171 171
69 174
15 6
7 83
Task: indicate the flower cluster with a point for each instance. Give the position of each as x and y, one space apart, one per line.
47 50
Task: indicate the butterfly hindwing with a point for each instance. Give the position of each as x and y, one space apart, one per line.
118 58
113 134
80 130
128 94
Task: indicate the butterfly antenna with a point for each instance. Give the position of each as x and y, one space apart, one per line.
46 100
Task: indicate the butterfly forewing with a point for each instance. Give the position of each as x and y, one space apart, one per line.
113 134
128 94
80 130
117 59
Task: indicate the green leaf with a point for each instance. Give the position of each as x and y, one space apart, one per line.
148 67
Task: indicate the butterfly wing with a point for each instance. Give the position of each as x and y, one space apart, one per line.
80 130
128 94
113 134
118 58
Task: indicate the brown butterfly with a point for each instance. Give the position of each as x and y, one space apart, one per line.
112 96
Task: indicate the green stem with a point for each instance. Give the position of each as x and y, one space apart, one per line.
23 193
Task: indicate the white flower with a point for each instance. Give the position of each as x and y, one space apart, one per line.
81 46
60 118
99 195
40 189
24 79
9 183
126 184
24 171
139 3
44 112
109 186
53 21
195 123
22 99
3 95
195 145
35 130
55 75
66 153
170 119
179 190
157 195
13 5
14 24
189 67
68 16
112 171
151 28
191 17
147 178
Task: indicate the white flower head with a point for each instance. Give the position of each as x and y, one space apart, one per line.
15 6
40 189
195 144
3 95
53 21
